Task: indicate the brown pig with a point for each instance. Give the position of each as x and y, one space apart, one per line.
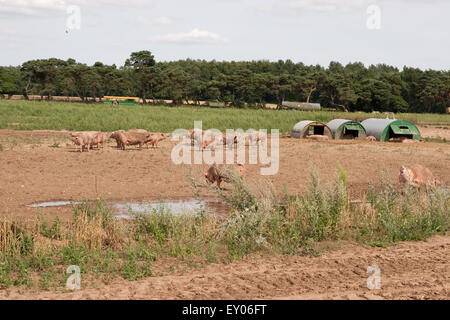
132 138
316 137
155 138
417 175
215 174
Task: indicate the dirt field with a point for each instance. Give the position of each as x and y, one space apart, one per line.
418 270
33 171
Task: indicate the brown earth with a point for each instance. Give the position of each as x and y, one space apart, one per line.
33 171
436 132
413 270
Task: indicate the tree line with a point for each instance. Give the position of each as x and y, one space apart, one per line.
352 87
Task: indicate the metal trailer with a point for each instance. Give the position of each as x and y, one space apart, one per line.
300 106
346 129
306 128
385 129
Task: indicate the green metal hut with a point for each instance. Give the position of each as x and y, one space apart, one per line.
385 129
346 129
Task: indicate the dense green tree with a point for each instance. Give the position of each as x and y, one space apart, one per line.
9 80
350 88
143 64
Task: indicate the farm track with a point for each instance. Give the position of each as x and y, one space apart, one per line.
413 270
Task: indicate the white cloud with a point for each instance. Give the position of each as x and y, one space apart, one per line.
325 5
196 36
158 21
331 6
50 7
32 7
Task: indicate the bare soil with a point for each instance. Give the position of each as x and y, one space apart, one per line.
32 171
39 166
410 270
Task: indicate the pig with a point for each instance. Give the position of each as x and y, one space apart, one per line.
132 138
147 143
371 138
100 140
155 138
229 140
316 137
196 136
397 139
115 135
78 142
86 139
215 174
255 136
211 144
417 176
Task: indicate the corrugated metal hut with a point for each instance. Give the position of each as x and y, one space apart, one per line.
301 106
346 129
307 128
385 129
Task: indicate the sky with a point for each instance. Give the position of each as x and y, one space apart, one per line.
413 33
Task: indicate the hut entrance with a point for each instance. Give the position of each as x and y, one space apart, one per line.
306 128
400 131
316 130
352 131
350 134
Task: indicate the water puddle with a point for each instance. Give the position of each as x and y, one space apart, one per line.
180 207
128 209
52 204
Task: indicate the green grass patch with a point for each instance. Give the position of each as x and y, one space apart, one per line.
44 115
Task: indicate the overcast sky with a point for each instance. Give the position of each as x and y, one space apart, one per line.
413 32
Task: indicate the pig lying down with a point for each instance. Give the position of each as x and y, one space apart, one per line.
417 176
316 137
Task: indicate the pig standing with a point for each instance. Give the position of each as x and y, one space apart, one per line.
132 138
215 174
155 138
86 139
417 176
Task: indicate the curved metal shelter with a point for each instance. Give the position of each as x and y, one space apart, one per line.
385 129
307 128
346 129
304 106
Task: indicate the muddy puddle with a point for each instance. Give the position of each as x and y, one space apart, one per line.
127 209
50 204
